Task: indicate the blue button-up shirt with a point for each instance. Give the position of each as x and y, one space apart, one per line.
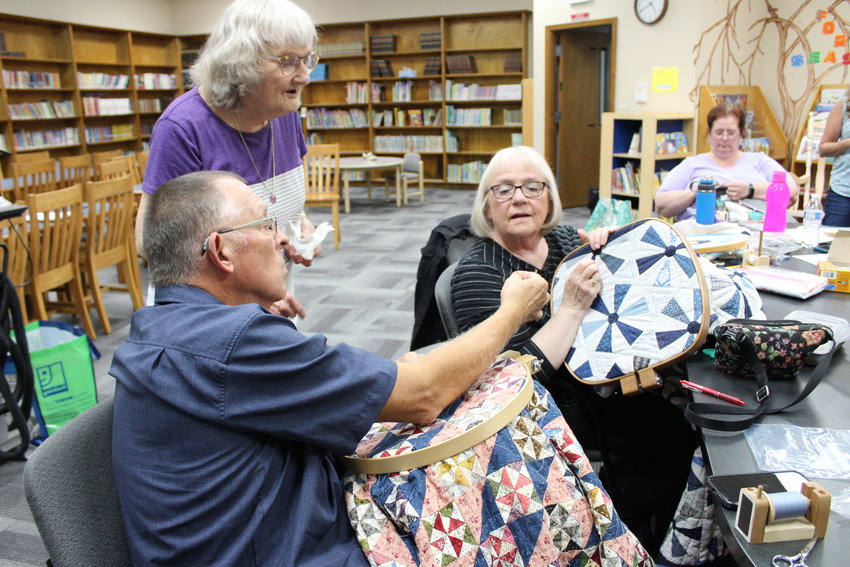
226 420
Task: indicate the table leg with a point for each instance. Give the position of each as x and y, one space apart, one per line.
345 190
398 186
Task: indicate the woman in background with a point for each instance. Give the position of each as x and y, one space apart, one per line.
835 143
241 116
746 175
516 213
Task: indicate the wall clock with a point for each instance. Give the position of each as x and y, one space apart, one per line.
650 11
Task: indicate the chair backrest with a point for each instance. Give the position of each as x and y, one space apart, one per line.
141 164
99 157
56 219
43 155
70 488
74 169
109 224
13 233
410 162
321 169
443 296
33 177
117 167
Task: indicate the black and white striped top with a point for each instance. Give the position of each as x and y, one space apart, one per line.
479 276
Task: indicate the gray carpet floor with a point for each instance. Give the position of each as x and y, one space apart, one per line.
361 294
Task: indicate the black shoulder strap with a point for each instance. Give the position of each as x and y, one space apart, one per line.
697 413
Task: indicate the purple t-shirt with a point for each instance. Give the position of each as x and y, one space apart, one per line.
751 167
188 137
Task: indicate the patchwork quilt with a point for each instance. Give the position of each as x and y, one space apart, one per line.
526 495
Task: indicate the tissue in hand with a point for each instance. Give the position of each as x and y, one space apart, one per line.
306 245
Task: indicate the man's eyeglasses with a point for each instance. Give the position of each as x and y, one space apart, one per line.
289 62
269 222
724 133
531 189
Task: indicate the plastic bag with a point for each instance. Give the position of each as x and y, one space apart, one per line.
65 387
609 212
815 452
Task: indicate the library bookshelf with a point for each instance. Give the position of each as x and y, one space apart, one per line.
70 89
452 88
646 158
765 124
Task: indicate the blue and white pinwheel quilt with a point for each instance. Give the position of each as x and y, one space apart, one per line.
653 305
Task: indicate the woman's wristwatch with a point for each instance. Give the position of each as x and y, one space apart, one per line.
752 191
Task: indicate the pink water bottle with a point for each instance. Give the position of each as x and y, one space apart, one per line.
777 197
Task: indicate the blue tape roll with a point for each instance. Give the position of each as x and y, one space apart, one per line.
786 505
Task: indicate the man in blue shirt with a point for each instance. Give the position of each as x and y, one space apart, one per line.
227 419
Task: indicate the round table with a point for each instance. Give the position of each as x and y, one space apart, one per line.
356 163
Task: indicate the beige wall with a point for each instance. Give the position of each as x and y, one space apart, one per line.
145 15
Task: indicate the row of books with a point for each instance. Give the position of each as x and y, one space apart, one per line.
382 43
402 91
512 117
156 81
408 143
102 81
513 62
828 99
430 40
670 143
433 66
625 179
341 49
380 68
355 92
31 79
460 64
336 118
109 133
469 172
407 117
147 128
42 109
452 142
756 145
462 91
99 106
150 105
34 139
468 116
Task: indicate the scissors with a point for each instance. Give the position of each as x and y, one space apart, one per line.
798 560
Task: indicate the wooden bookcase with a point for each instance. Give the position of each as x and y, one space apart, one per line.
437 51
798 167
618 132
81 88
765 123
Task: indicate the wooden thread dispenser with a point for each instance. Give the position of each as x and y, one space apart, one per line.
783 516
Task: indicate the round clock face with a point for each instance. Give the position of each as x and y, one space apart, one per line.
650 11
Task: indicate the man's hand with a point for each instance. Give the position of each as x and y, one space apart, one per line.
288 307
525 294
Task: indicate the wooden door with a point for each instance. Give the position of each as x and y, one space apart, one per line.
584 91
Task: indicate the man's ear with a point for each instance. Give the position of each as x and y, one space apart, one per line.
219 254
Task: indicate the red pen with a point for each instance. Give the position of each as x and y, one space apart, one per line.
705 390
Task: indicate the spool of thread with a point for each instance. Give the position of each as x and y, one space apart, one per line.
784 505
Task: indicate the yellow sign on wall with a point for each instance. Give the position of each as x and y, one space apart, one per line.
665 79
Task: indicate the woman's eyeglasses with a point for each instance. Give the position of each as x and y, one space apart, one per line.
289 62
724 133
531 189
269 222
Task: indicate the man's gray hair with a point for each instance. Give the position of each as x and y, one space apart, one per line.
179 216
229 64
530 157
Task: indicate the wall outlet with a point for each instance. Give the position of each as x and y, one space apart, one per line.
641 92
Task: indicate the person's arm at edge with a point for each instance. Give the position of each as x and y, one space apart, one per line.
140 224
830 145
671 202
427 384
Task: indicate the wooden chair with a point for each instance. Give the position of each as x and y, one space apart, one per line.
412 170
141 164
110 242
33 177
13 233
807 190
74 170
321 173
99 157
56 226
118 167
28 157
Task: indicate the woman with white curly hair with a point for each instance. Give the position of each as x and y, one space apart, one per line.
241 115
